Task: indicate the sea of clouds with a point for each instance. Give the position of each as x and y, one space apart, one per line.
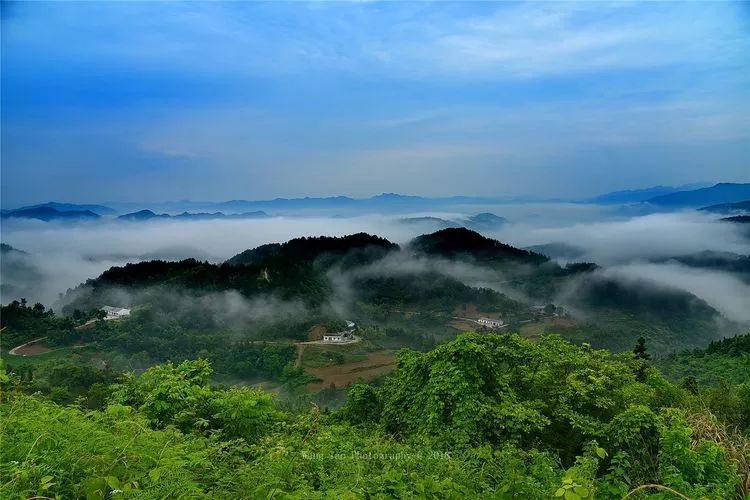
60 256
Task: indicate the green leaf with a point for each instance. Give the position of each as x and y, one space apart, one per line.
601 452
113 482
582 491
154 474
46 479
570 495
560 492
94 488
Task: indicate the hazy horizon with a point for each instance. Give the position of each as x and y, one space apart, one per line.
220 101
527 198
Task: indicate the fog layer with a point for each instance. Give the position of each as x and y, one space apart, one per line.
61 256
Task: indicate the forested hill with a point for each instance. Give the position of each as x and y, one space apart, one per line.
373 279
723 362
460 242
295 269
365 246
298 268
275 258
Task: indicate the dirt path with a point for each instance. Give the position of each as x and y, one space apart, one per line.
29 348
300 352
328 342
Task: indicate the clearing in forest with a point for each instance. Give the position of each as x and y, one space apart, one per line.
375 364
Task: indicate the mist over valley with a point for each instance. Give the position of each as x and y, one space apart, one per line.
375 250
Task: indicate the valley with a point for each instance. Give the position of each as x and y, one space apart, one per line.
448 344
374 250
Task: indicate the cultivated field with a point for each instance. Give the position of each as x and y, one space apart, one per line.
375 364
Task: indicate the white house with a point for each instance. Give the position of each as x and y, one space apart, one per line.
115 312
338 337
345 336
491 323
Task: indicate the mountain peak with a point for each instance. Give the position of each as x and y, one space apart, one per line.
459 242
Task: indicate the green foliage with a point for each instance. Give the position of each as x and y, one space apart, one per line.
362 404
696 469
727 359
50 450
66 381
482 389
242 412
482 416
180 395
22 323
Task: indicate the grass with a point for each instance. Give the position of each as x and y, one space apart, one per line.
532 330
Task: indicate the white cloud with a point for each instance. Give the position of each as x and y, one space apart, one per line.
722 291
657 236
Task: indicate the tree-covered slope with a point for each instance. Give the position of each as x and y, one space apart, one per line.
465 243
482 416
296 250
723 361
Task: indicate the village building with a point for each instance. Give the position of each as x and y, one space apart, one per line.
344 336
115 312
338 337
491 323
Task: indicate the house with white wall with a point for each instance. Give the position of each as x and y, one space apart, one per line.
115 312
491 323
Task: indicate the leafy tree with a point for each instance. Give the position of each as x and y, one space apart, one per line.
362 404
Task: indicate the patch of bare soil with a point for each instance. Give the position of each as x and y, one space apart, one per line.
463 325
471 311
560 321
30 348
377 363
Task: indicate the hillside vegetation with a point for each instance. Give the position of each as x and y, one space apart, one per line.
215 385
371 279
482 416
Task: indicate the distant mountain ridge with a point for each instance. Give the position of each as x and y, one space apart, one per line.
49 214
634 195
144 215
738 219
73 207
721 261
728 208
721 193
480 222
656 197
385 202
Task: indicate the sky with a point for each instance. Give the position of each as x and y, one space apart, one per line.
145 102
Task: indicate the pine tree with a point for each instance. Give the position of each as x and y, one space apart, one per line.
639 351
641 356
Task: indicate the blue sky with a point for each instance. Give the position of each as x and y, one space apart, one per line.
152 101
